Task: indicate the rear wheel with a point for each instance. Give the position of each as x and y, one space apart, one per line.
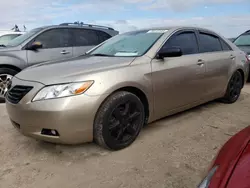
119 121
234 88
6 75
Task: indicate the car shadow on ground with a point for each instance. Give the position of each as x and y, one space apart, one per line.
175 118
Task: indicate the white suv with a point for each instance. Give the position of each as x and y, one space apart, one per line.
6 36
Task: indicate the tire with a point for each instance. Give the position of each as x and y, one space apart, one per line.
248 79
4 72
119 121
233 88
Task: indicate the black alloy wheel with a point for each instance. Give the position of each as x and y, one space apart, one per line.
234 88
119 121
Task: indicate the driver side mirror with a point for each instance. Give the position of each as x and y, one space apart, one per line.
34 46
169 52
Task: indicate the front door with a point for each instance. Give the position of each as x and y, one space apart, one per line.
178 81
56 46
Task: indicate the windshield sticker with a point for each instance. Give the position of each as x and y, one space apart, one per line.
157 31
126 54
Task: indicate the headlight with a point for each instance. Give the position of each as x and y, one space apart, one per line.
62 90
206 181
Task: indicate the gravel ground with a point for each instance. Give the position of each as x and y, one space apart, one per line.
170 153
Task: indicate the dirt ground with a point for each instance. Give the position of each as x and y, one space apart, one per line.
170 153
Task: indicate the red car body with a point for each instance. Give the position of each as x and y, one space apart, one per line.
233 161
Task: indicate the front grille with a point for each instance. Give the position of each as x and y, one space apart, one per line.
16 94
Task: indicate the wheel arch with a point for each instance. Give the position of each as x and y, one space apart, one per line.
243 76
239 69
141 95
136 91
10 67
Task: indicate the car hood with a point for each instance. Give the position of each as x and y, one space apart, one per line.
245 49
69 70
241 173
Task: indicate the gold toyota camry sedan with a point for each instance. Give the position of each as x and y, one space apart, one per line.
132 79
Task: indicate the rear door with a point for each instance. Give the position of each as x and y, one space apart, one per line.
218 58
85 39
56 46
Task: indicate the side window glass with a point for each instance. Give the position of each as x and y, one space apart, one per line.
225 46
85 37
55 38
102 36
209 43
186 41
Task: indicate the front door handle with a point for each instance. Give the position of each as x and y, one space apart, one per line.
200 62
65 52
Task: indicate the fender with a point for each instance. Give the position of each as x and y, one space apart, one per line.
12 60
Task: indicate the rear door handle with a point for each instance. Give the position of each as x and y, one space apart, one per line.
65 52
232 56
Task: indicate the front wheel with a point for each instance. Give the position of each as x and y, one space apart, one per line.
234 88
6 75
119 121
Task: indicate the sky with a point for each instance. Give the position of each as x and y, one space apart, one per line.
227 17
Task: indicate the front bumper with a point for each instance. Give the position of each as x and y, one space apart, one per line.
71 117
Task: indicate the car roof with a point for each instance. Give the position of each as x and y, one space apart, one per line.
177 28
87 26
78 26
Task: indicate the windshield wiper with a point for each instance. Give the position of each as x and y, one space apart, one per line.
242 45
124 51
100 55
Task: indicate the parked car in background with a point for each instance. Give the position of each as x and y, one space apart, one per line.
231 39
48 43
129 80
243 42
7 35
231 166
4 39
6 32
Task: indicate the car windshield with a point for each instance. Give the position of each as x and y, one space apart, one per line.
243 40
131 44
6 38
19 40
